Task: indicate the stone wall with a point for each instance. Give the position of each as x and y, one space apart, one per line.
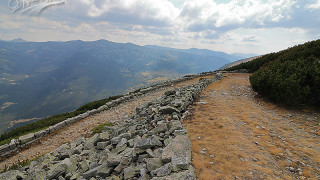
23 141
152 144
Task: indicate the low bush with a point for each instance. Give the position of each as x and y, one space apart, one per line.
290 83
290 77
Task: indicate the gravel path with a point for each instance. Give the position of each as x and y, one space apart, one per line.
83 127
236 134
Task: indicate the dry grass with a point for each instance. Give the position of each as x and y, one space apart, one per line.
249 137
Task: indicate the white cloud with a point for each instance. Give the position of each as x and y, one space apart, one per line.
313 6
250 26
209 14
162 11
191 15
250 38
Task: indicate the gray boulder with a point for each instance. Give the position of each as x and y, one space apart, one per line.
12 175
84 166
169 93
41 133
143 143
71 164
160 128
168 110
4 149
26 138
102 145
113 159
119 149
104 136
162 171
103 170
130 172
180 132
36 173
180 146
167 141
147 143
182 175
174 125
180 163
91 142
60 125
57 170
117 139
14 143
153 163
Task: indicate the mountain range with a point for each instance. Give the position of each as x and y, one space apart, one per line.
39 79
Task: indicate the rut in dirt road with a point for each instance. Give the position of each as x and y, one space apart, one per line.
236 134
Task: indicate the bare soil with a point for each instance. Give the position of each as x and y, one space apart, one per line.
84 127
236 134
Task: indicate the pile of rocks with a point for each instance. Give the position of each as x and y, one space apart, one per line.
152 144
26 140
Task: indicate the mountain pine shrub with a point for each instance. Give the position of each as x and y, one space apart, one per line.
290 77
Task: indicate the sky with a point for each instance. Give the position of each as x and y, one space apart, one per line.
232 26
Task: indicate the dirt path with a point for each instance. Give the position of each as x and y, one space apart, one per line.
83 127
235 134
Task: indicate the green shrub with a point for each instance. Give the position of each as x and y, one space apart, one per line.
290 77
96 104
300 51
290 82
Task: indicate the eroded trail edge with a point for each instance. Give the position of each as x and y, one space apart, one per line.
236 134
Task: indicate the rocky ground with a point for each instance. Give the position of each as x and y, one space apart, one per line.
151 144
236 134
83 128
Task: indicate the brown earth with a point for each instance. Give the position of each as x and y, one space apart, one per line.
84 127
246 137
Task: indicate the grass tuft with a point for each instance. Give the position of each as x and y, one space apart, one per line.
99 128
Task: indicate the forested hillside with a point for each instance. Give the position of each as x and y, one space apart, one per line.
290 77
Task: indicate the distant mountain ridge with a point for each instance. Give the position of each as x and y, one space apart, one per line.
235 63
18 40
39 79
207 52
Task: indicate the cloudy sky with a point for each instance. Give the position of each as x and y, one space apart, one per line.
233 26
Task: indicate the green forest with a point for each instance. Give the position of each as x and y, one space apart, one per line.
290 77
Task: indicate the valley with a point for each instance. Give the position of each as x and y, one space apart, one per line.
40 79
